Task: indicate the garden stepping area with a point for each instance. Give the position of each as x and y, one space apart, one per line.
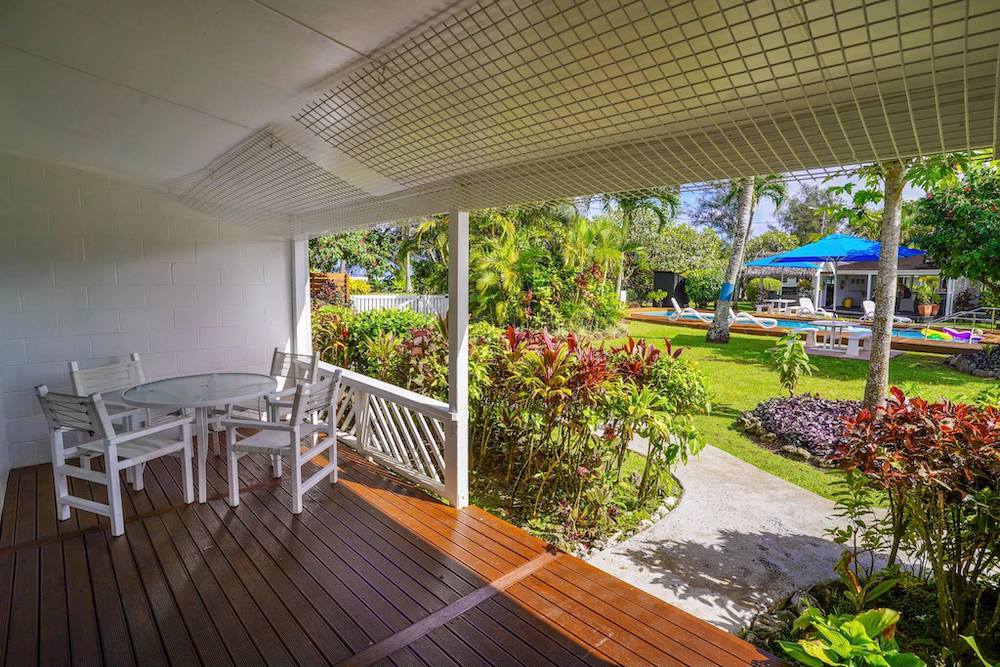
739 540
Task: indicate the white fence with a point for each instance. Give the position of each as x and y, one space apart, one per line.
433 304
398 428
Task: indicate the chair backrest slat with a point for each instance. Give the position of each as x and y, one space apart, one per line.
107 378
315 397
294 369
66 412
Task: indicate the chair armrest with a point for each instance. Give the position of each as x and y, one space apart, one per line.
264 426
165 426
280 404
290 391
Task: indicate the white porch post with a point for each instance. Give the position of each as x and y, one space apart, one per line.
301 342
456 457
868 288
949 296
816 285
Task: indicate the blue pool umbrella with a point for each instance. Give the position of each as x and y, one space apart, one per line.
837 248
772 262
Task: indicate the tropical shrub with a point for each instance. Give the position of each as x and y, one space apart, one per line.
806 422
791 361
367 326
551 418
552 424
330 334
358 286
327 294
862 640
939 465
702 286
657 297
758 288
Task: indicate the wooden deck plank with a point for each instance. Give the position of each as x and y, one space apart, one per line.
369 559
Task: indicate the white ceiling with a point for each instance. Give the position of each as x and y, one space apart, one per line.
301 116
154 89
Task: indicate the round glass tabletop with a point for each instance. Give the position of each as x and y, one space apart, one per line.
197 391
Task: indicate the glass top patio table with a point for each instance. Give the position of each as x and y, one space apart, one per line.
199 391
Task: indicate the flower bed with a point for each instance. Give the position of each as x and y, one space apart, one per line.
983 363
551 417
806 426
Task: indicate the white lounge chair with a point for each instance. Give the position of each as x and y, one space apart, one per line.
869 314
763 322
807 307
687 310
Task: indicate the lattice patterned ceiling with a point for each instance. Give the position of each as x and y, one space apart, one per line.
520 101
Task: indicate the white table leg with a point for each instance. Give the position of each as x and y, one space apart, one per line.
201 419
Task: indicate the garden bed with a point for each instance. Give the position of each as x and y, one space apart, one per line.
984 363
918 629
804 427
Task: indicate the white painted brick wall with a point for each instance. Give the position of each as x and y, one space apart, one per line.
92 270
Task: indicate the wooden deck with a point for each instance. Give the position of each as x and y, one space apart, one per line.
373 572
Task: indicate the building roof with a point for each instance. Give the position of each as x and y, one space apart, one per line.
915 263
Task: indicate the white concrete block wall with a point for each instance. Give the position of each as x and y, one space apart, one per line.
92 270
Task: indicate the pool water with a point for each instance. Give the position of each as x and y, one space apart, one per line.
800 324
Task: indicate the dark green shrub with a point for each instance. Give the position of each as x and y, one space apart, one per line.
703 285
368 325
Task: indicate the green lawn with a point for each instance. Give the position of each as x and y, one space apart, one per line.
739 377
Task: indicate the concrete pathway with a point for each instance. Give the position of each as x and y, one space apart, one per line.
739 540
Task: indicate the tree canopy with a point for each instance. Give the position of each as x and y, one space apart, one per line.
810 213
958 224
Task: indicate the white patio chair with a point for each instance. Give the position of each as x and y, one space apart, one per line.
121 451
110 380
288 370
687 310
869 314
299 439
744 318
806 307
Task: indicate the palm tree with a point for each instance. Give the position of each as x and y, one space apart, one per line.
747 195
770 187
664 203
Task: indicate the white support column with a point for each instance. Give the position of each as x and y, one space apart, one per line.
816 286
456 457
301 342
868 288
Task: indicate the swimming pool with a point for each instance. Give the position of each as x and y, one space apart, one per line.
798 325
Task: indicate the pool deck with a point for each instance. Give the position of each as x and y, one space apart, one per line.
646 314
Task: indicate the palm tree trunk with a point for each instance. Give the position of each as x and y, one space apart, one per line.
718 332
877 384
626 224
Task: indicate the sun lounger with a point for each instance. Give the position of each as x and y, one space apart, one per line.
869 314
687 310
743 318
807 307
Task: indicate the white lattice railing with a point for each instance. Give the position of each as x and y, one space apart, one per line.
398 428
433 304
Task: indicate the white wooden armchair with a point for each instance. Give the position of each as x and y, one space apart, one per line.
288 370
121 451
304 437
